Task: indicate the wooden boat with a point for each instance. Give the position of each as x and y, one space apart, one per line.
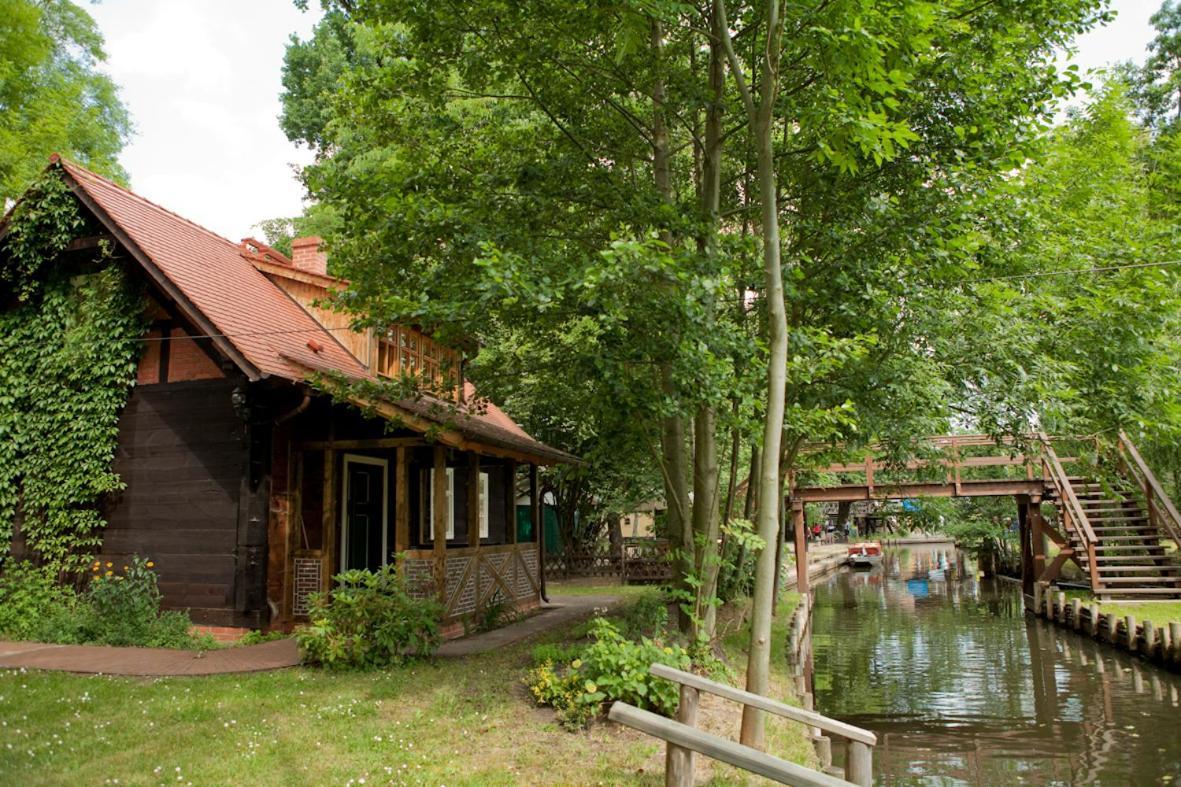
866 554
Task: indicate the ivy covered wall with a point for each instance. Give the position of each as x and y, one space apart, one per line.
70 336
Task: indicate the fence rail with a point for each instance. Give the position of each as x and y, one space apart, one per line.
635 560
683 738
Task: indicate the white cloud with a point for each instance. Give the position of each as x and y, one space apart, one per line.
201 80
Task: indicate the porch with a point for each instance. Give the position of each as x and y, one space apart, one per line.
460 524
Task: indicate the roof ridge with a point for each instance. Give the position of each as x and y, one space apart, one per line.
73 165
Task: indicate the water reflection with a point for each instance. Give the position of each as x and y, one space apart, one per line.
963 688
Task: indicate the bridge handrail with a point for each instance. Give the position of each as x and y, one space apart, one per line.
1156 498
1065 489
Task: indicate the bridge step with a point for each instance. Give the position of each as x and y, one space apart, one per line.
1138 592
1153 580
1126 558
1126 547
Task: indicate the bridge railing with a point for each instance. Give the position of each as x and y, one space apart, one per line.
1162 514
1073 513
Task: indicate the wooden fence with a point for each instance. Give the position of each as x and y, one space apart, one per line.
683 738
635 560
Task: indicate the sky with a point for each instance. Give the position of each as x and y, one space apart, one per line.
201 80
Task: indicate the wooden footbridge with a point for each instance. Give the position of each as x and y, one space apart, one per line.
1109 515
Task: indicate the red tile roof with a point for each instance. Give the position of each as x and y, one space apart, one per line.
252 317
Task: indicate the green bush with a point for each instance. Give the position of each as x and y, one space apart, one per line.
257 637
117 607
611 668
555 653
34 605
369 620
648 617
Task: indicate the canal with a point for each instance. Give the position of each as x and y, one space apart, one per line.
962 688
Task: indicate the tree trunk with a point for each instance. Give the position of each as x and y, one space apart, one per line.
762 123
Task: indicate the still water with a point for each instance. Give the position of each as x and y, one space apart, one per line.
962 688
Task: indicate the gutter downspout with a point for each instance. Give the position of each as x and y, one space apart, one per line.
299 408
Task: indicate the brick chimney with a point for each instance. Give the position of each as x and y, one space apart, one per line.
307 255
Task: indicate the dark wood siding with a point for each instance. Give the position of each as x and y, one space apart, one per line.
182 455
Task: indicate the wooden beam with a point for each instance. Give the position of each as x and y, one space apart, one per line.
439 521
328 517
473 500
362 445
968 488
401 502
510 502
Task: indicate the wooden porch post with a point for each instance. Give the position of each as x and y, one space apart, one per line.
538 525
439 522
797 518
510 504
473 519
329 516
401 505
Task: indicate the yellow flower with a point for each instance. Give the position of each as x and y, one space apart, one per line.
109 572
591 688
150 564
125 568
109 564
576 664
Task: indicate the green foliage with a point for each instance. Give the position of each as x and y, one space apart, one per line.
555 653
611 668
369 620
33 604
119 606
647 617
256 637
54 97
68 355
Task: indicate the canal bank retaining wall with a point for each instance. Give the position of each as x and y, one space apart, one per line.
1161 644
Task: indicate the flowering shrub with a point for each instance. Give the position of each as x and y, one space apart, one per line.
120 605
611 668
369 620
124 608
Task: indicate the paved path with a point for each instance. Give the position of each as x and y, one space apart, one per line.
152 662
560 610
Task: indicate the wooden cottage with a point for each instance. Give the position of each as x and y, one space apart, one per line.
248 487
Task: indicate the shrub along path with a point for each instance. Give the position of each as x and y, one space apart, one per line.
161 662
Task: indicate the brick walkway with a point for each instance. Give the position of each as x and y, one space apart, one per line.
150 662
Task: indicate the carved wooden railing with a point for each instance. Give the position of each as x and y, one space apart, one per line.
1162 514
1074 517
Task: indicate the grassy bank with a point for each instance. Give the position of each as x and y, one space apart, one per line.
464 721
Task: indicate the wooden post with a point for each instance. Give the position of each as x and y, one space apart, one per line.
859 764
1149 638
678 762
1076 616
401 503
1037 598
797 518
538 529
1095 620
1166 643
473 520
1061 607
1037 534
328 517
1175 636
1028 585
510 504
439 522
1130 623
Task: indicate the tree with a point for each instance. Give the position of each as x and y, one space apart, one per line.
1157 84
52 96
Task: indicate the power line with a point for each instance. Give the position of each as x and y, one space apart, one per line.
981 280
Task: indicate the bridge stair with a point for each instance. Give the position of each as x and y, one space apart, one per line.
1130 559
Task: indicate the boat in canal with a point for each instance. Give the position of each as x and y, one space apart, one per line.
866 554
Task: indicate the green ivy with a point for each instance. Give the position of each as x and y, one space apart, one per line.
68 357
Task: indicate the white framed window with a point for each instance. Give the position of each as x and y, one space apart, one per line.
426 520
483 505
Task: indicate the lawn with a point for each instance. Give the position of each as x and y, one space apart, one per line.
464 721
